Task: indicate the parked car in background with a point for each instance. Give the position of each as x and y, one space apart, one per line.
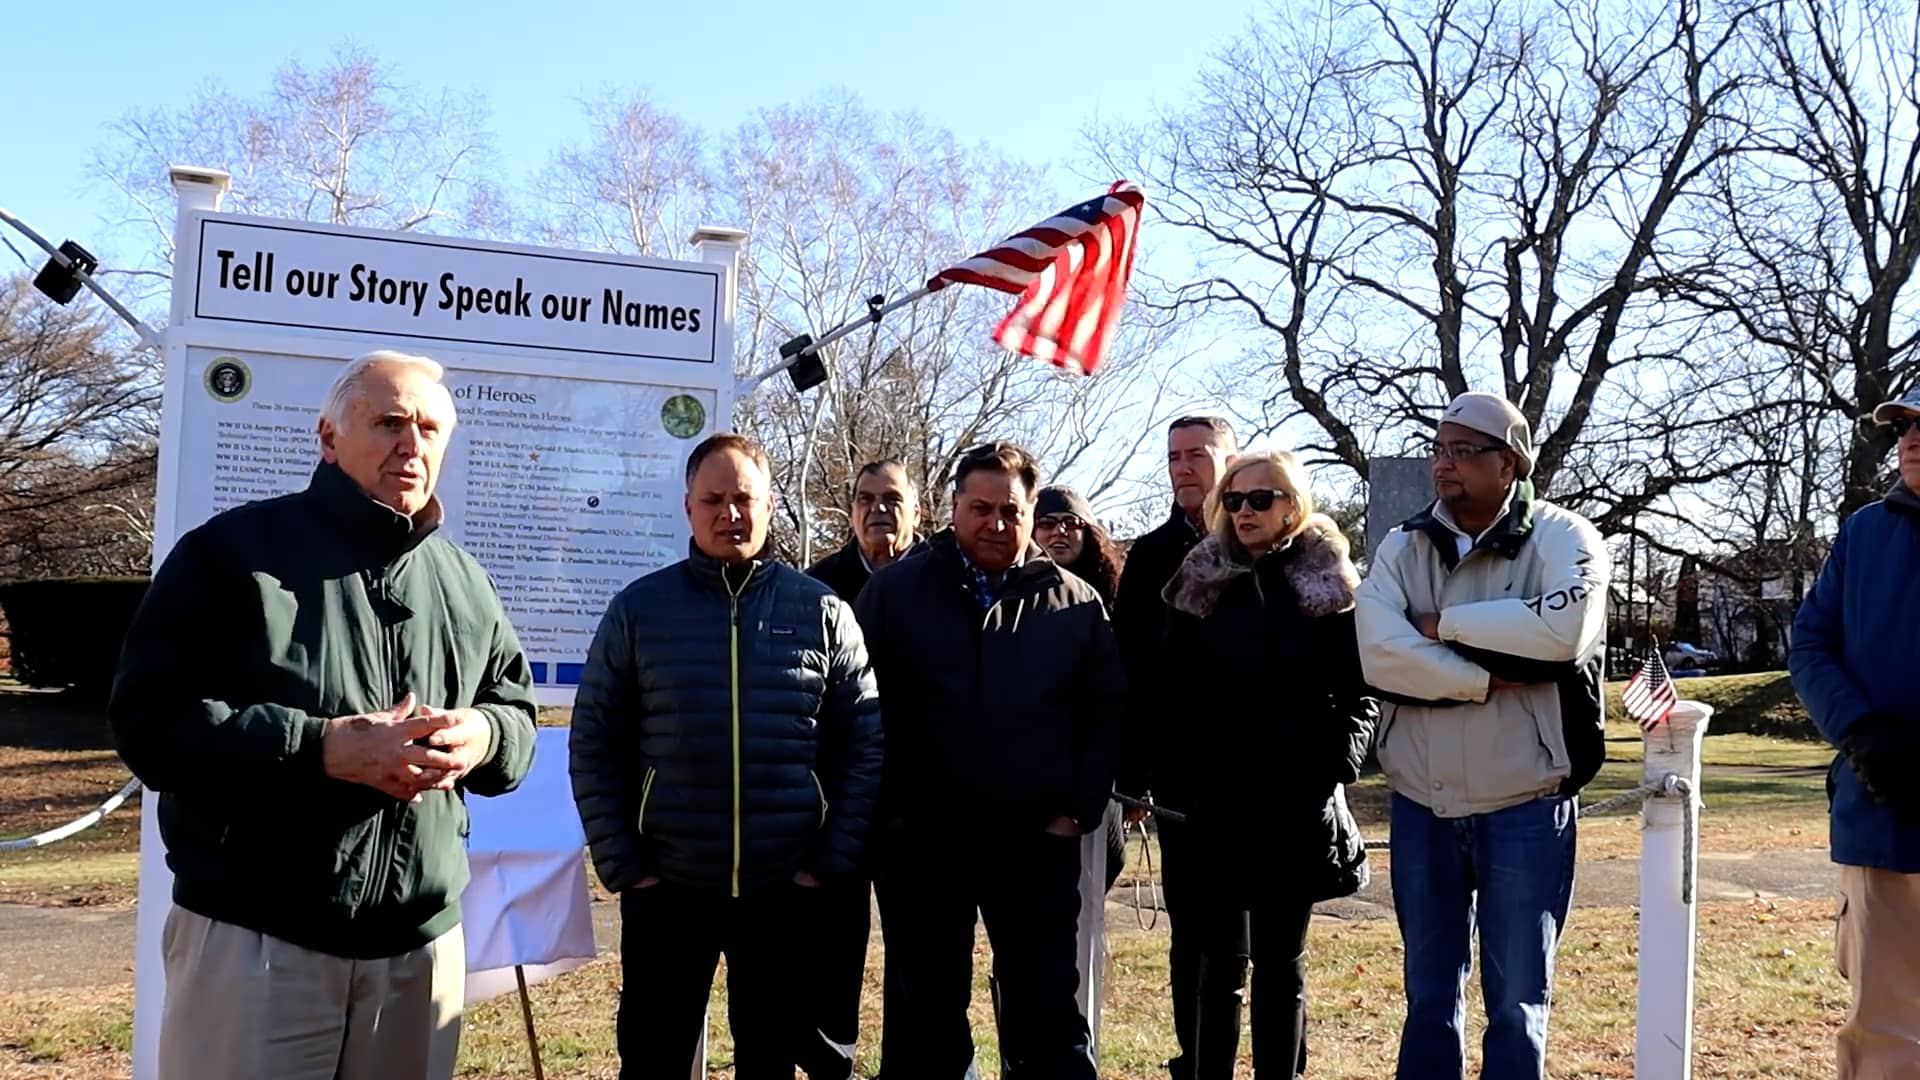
1686 656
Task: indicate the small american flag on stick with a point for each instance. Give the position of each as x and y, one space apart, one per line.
1071 272
1649 695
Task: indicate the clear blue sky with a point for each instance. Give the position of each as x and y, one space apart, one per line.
1025 77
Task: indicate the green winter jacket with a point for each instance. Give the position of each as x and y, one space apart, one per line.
260 625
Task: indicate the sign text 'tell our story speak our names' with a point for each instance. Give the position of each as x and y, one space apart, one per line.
361 283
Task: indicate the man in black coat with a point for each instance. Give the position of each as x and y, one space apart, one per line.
1005 688
725 753
1199 449
884 516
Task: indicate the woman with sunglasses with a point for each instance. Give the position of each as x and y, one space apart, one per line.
1265 602
1063 525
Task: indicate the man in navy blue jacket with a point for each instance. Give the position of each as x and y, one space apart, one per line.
1855 641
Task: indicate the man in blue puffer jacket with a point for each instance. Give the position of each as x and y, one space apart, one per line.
1855 641
726 756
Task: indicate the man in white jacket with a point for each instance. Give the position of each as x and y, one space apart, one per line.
1482 626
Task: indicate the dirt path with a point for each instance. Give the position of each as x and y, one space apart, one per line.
52 948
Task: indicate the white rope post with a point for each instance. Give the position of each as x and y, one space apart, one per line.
1091 944
1663 1043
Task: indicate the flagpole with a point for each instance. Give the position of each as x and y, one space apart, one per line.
793 351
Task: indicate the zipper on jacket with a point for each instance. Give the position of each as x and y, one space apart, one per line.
733 672
386 824
646 789
820 791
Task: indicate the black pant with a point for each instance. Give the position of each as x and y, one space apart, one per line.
1216 919
838 940
1025 885
671 938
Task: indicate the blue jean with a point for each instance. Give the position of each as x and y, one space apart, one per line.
1511 873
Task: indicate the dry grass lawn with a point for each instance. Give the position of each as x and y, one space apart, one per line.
1768 999
1769 1003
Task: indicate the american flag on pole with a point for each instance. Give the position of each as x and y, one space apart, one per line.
1649 695
1071 273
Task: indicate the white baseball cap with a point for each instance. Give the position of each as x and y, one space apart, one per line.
1495 417
1907 403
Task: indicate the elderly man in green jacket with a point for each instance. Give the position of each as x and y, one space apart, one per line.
312 685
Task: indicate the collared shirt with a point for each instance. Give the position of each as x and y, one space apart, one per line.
868 563
985 592
1464 543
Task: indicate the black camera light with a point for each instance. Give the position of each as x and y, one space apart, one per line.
809 369
60 282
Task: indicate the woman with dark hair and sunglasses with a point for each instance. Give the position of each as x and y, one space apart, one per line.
1063 525
1265 602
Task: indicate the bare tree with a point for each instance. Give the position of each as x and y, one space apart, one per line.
75 434
347 143
845 205
1415 199
639 186
1824 218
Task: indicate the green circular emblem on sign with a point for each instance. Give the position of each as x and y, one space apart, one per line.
228 380
683 416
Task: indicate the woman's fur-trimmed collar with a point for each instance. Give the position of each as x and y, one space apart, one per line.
1316 565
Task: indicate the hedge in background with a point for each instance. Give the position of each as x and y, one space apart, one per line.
67 631
1758 704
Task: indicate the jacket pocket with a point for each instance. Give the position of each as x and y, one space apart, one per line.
821 793
1547 722
1383 734
646 792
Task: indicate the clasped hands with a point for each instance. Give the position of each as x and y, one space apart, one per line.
407 750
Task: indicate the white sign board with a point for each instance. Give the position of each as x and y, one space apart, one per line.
398 287
581 381
565 489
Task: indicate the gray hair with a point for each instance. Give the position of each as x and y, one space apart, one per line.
346 389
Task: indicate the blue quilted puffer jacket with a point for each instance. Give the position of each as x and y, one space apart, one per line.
726 731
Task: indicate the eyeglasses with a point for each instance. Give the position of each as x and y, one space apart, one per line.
1460 451
1060 523
1902 424
1260 499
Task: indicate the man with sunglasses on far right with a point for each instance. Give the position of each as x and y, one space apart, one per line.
1482 627
1853 646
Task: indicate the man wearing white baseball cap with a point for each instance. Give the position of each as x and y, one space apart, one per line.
1853 645
1482 626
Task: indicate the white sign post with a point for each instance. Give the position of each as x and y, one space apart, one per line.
1663 1031
581 382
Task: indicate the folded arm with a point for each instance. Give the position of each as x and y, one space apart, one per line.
1563 624
1397 659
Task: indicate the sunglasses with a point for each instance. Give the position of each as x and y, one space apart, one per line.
1260 499
1902 424
1060 523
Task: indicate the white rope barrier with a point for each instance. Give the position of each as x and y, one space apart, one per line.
76 825
1666 785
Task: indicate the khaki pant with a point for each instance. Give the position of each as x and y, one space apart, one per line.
242 1005
1877 950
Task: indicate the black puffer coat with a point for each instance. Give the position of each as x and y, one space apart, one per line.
726 731
1280 718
